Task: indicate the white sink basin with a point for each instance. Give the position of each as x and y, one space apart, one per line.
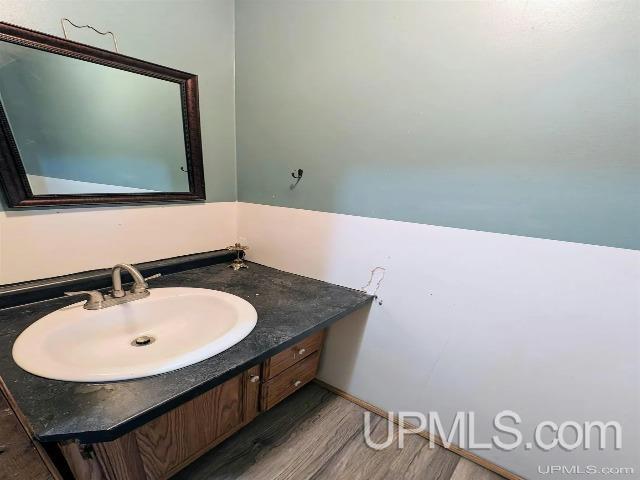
186 325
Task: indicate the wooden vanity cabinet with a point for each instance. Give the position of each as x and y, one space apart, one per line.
163 446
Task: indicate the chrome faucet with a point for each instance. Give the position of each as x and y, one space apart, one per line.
139 284
117 296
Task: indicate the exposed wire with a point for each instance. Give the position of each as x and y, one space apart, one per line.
64 31
371 276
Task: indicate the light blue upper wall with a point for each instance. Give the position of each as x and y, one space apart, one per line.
510 117
194 36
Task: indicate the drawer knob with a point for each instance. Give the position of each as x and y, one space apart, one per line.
297 383
301 351
254 378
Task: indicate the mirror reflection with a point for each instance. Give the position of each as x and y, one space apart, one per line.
82 127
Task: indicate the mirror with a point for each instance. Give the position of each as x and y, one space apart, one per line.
84 125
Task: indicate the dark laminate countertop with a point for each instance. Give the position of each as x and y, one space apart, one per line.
289 308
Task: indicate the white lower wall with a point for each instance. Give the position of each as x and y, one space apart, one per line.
474 321
44 243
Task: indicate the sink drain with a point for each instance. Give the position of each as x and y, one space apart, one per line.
142 341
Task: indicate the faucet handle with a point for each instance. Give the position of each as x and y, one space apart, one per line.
95 298
142 287
91 293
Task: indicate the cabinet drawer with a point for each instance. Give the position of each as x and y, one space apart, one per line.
283 385
281 361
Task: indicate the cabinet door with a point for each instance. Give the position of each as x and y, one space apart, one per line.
178 437
18 457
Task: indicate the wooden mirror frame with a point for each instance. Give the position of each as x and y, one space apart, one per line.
13 177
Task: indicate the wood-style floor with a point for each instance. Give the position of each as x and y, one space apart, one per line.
315 434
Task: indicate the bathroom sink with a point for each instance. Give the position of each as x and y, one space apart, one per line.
170 329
